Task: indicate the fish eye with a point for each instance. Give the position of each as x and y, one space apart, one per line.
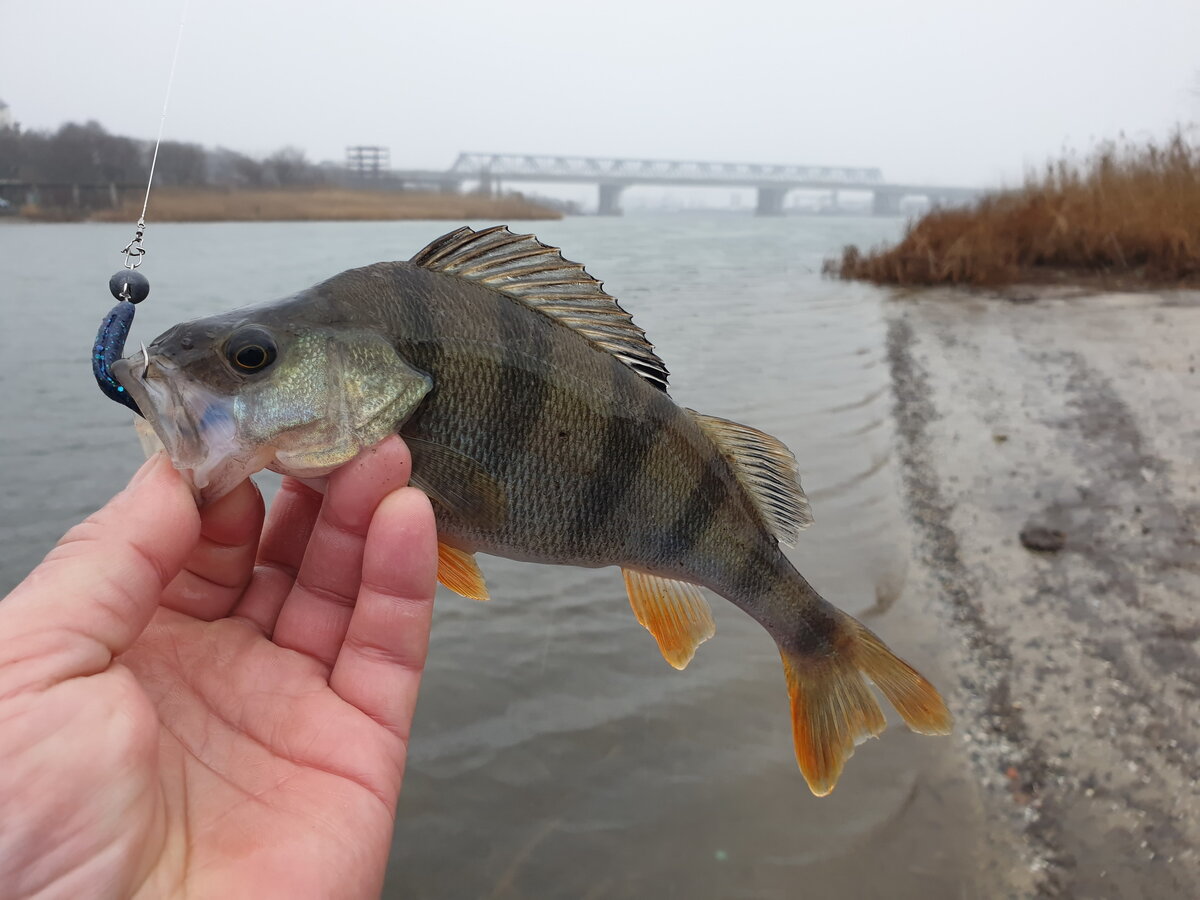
250 350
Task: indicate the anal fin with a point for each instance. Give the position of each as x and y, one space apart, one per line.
459 572
675 612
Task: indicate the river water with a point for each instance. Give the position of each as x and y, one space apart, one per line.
555 754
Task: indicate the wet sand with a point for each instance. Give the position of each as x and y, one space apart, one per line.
1076 676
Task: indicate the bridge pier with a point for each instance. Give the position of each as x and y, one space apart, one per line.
610 200
770 201
449 185
886 203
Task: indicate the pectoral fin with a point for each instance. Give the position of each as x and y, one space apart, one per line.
675 612
460 573
458 483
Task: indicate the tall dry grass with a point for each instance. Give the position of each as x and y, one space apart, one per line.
1130 212
170 204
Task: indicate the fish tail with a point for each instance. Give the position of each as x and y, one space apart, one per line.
832 707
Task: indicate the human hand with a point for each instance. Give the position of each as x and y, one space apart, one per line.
191 704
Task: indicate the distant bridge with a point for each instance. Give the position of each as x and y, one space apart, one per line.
613 175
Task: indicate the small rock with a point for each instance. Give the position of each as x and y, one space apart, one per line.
1041 538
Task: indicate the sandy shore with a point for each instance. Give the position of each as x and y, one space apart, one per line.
1077 420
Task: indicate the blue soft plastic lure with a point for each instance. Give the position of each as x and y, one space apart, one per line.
129 287
108 348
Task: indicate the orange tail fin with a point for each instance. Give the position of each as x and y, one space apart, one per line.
833 709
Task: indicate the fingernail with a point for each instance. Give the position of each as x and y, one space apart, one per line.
147 467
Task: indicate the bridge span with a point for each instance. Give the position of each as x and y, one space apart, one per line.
613 175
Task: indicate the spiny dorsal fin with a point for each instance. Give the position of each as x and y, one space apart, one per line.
458 571
768 471
675 612
535 274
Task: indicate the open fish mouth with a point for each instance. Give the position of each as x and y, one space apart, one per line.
197 428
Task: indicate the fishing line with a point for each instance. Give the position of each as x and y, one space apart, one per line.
133 250
128 285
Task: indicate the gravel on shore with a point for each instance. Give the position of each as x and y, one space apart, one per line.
1049 460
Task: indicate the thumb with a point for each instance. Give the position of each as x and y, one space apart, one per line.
95 592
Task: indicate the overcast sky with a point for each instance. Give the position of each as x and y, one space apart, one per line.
937 92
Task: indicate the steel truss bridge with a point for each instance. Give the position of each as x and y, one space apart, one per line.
612 175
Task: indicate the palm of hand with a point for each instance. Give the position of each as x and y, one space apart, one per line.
255 753
259 758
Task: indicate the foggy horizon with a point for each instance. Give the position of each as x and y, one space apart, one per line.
933 94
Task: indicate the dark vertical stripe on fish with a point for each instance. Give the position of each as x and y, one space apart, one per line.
622 453
521 387
703 505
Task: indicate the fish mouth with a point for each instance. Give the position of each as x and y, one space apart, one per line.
197 427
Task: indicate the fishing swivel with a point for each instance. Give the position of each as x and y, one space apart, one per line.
128 283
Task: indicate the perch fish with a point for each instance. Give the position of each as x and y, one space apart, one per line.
540 426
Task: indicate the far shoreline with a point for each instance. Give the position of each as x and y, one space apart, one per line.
317 204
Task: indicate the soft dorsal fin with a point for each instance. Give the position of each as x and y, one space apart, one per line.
768 471
675 612
530 272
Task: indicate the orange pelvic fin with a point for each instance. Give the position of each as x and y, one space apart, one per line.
833 709
675 612
460 573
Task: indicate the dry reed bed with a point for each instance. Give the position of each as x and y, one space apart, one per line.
319 204
1131 213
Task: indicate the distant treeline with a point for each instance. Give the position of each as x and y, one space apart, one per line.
88 154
